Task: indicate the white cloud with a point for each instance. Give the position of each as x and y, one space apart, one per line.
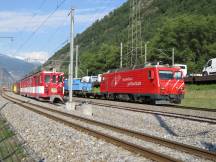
11 21
18 21
40 56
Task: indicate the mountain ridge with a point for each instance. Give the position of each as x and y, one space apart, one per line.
17 68
165 25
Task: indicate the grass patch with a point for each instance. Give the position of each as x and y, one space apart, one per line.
9 147
201 96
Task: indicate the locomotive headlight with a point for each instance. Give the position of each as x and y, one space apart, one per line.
181 88
162 88
53 90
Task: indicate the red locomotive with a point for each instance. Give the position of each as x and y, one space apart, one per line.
153 84
44 85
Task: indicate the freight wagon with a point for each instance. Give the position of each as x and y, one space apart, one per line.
85 86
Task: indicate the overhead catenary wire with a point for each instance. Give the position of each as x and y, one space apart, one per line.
39 27
34 15
96 11
53 34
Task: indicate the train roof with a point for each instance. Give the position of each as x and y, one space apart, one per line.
36 72
140 67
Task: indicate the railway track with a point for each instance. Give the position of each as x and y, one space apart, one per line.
74 121
192 108
156 112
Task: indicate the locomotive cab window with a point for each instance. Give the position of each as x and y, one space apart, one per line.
60 79
54 79
165 75
47 78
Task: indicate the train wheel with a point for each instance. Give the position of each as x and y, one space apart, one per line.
104 96
177 101
131 97
153 102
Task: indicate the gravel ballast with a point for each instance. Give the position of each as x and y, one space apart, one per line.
198 134
54 141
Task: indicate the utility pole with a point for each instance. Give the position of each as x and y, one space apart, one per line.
173 56
70 105
77 55
121 55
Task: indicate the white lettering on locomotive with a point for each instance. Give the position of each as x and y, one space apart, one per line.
127 79
134 84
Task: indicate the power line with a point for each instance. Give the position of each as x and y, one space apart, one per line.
53 34
34 15
38 28
60 45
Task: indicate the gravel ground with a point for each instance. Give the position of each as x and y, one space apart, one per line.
202 135
156 108
57 142
194 133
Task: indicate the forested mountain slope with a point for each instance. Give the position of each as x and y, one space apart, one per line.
189 26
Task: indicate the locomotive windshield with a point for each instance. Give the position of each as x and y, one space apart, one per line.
60 79
178 75
165 75
54 79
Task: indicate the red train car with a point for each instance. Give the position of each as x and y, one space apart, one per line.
154 84
44 85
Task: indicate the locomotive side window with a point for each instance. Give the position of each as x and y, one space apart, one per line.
54 79
102 78
150 75
165 75
37 80
47 78
40 78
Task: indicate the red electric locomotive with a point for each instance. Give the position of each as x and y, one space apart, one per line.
154 84
44 85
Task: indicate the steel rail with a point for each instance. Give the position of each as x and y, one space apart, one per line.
168 143
191 108
148 153
171 106
157 112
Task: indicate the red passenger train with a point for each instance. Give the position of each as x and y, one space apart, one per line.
153 84
44 85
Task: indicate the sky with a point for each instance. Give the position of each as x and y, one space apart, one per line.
40 27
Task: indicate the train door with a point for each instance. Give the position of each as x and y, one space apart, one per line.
56 84
34 86
47 79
